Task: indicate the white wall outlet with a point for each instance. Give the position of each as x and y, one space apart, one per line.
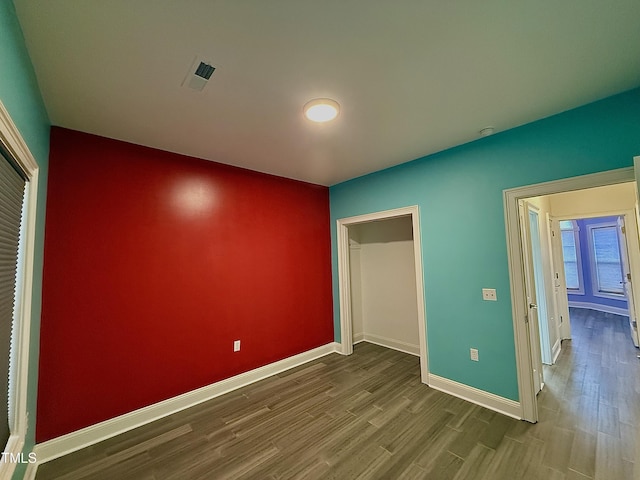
236 345
474 354
489 294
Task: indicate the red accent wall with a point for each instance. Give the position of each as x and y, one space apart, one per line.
156 262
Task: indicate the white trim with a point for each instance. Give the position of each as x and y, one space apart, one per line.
73 441
555 350
604 213
404 347
601 308
344 286
344 279
12 140
15 145
479 397
633 256
13 447
516 269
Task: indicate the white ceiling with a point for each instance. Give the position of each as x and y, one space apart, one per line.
413 76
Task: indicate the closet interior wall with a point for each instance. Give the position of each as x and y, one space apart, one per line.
383 284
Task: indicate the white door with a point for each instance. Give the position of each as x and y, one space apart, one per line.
627 280
559 281
545 316
530 295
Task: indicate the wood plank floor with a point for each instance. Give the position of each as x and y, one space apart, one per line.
368 416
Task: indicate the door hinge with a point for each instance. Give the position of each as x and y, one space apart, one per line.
623 230
526 319
628 277
635 324
561 319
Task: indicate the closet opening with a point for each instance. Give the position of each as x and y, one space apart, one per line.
381 283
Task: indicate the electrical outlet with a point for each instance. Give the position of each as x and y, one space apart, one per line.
474 354
236 345
489 294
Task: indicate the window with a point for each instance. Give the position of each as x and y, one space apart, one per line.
571 256
19 299
12 186
605 260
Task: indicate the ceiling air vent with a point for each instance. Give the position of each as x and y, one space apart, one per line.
199 74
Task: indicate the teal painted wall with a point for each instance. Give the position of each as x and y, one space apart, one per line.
21 97
459 194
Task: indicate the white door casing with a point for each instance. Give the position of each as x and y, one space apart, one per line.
625 234
344 279
629 252
511 197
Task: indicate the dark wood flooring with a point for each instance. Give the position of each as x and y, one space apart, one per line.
367 416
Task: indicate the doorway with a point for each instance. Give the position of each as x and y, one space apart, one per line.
590 268
345 280
602 253
523 331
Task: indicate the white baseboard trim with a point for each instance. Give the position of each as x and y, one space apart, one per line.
358 337
392 344
601 308
491 401
57 447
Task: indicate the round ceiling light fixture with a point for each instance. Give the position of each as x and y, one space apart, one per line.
321 110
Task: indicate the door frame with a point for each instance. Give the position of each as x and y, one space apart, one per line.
632 246
15 146
521 331
344 279
628 239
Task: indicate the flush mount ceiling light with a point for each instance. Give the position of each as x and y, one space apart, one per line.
321 110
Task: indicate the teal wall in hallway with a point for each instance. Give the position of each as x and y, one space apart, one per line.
21 97
459 193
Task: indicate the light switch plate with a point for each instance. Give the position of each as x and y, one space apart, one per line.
489 294
474 354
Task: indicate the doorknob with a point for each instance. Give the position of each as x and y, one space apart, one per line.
533 305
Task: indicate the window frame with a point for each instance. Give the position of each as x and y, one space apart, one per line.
15 146
595 291
576 240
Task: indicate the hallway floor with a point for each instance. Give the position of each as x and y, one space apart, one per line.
590 406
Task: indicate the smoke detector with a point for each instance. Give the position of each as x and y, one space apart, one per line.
199 74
